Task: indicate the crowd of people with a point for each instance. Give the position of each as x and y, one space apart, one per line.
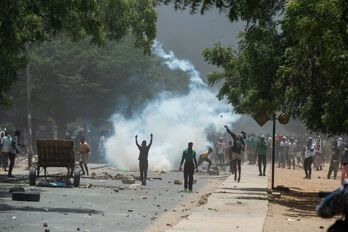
290 152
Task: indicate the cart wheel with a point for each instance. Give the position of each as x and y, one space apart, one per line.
26 196
32 177
76 177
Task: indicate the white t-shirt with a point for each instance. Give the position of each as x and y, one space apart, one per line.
7 140
309 151
220 147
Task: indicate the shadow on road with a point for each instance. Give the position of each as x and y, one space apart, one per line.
6 207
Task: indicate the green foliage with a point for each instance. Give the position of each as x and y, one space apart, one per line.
247 10
72 80
33 21
292 57
249 74
315 67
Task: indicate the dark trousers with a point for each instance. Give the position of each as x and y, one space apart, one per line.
237 167
189 169
261 160
334 164
143 165
4 159
12 158
221 160
201 159
233 166
308 166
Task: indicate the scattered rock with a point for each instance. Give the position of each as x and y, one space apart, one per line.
321 227
239 202
44 224
162 171
116 190
170 225
153 218
78 229
89 185
128 180
276 194
93 175
120 176
282 188
130 210
16 189
46 210
47 230
144 198
178 182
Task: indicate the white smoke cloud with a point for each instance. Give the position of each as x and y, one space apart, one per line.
174 121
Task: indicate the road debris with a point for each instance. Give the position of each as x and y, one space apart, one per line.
178 182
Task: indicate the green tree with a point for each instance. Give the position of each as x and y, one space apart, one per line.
292 57
34 21
78 80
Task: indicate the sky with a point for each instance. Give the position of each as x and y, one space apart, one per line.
187 35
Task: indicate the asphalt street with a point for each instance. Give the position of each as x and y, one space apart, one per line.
99 204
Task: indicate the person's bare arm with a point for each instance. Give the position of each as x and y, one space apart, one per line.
195 160
136 141
150 141
234 136
182 160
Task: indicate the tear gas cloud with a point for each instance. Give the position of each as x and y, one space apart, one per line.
173 119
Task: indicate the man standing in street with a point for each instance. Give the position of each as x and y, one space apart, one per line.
6 141
309 153
84 152
261 150
292 153
13 152
335 160
220 151
238 150
189 155
143 162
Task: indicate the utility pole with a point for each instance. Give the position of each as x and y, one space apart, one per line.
29 128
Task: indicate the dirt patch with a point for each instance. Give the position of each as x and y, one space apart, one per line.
294 210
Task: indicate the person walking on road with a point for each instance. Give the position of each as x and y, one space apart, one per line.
189 156
309 153
13 152
205 157
335 159
4 149
143 161
84 153
220 151
238 150
261 150
292 153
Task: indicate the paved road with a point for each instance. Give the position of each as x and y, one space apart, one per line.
232 207
98 208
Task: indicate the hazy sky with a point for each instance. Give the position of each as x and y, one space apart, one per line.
187 35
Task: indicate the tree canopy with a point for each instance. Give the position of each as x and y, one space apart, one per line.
292 57
33 21
78 80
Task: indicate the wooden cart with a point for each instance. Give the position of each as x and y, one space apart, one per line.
55 153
